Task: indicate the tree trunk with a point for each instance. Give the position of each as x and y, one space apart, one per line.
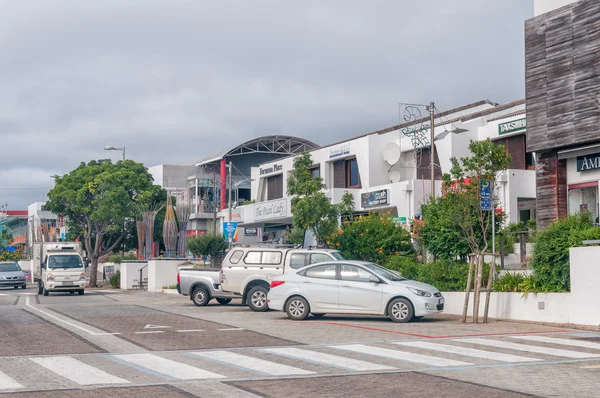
94 271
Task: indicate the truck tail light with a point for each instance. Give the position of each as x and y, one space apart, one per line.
276 283
178 279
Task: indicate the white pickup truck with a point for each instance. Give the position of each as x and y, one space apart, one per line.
247 271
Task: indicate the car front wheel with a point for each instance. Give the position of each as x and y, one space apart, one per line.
297 309
257 299
40 287
24 287
400 310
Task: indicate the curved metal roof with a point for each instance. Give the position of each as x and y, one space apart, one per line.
283 145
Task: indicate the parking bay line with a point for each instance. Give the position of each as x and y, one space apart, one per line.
327 359
150 332
167 367
530 348
190 331
77 371
251 364
230 329
400 355
7 383
471 352
552 340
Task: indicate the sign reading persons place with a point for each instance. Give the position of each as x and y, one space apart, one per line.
588 162
270 169
269 210
339 151
512 127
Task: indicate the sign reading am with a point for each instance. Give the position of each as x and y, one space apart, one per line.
512 127
588 162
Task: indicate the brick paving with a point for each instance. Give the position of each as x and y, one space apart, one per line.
130 392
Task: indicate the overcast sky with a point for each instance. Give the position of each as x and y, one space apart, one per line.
174 80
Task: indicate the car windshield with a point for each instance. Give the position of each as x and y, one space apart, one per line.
338 256
65 261
9 267
387 274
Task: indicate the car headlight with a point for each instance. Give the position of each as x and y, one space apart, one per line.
2 278
82 276
419 292
49 278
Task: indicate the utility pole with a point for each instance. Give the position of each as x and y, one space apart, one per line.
432 156
229 234
214 204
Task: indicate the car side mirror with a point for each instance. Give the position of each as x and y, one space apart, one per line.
374 279
43 265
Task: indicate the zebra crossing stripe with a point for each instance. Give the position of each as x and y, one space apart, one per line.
251 364
7 383
552 340
471 352
166 367
401 355
77 371
327 359
529 348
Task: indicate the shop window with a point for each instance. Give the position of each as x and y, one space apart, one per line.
352 178
346 174
584 197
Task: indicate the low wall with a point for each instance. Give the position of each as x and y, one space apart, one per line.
164 272
130 274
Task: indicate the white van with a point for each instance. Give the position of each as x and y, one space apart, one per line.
248 270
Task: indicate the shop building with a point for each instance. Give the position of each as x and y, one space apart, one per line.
563 108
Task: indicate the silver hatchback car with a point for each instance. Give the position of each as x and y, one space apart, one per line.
11 275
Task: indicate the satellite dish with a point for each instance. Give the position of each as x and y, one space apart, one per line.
391 153
395 176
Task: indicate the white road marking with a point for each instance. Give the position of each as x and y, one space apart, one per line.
156 327
7 383
574 343
251 364
400 355
77 371
167 367
190 330
4 294
327 359
471 352
150 332
231 329
530 348
66 322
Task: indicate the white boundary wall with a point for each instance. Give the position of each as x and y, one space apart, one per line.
164 273
130 274
578 307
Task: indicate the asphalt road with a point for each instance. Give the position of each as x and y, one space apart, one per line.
112 343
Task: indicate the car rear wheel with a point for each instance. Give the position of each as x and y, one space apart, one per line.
400 310
223 301
40 287
200 297
257 299
297 308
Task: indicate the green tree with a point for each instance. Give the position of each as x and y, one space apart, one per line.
96 198
311 208
212 245
8 255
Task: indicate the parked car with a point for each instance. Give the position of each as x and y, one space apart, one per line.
352 287
11 275
202 285
248 270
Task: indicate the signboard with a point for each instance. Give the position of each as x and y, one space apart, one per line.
269 210
271 169
512 127
402 221
229 230
195 232
339 151
181 195
109 271
375 198
250 231
588 162
485 192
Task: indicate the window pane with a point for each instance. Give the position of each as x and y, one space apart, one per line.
236 256
355 274
253 258
319 258
321 272
271 258
315 172
297 260
352 173
339 256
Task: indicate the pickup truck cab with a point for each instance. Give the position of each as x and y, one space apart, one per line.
248 270
202 285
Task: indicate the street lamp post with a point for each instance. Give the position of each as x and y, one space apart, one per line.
113 148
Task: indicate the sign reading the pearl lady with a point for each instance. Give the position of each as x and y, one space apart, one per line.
588 162
375 198
272 209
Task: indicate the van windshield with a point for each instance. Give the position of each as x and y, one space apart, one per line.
65 261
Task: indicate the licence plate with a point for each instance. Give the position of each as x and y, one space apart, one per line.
67 283
441 301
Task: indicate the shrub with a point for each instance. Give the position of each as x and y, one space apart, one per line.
115 280
211 245
373 238
550 260
118 258
509 282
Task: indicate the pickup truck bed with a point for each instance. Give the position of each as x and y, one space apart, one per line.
202 285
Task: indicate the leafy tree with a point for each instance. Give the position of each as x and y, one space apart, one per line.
96 198
9 254
373 238
311 208
212 245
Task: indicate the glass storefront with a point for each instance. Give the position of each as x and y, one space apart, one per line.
584 197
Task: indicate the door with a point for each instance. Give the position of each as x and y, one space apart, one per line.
357 292
321 286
